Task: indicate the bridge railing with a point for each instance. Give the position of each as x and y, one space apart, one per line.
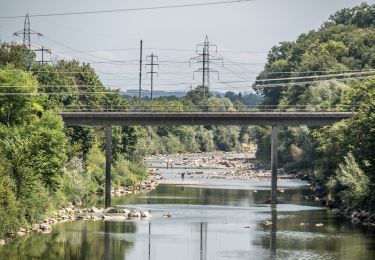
215 108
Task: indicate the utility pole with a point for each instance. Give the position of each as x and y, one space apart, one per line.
42 50
152 72
140 73
205 58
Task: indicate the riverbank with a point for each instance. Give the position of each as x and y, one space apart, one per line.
320 194
77 212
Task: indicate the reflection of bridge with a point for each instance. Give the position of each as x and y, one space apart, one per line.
271 117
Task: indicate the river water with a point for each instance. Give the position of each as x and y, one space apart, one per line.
216 219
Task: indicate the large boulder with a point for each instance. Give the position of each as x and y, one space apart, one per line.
134 214
145 214
45 228
110 210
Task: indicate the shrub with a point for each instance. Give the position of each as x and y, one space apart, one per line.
350 184
76 184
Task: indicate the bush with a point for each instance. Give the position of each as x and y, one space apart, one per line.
126 173
76 184
9 206
350 185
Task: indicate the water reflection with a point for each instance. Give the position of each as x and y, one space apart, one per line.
107 248
205 224
203 241
273 245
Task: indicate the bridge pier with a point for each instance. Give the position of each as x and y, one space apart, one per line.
274 164
108 152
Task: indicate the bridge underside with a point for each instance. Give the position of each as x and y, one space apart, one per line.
203 118
275 119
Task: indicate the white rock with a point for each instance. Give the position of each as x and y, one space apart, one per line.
134 214
145 214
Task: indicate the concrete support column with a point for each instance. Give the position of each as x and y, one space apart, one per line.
274 157
108 152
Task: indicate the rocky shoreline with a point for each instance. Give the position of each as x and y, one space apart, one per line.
355 215
75 212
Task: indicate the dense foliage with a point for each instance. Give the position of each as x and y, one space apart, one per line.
341 156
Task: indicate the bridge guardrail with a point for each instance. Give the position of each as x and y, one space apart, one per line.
215 108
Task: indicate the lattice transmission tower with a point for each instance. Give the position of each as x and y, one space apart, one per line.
27 32
205 59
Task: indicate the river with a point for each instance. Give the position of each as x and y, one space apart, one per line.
209 219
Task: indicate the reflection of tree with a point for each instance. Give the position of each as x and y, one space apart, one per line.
75 240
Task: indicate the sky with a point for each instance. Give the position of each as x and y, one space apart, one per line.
243 32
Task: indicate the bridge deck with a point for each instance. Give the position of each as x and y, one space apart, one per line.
203 118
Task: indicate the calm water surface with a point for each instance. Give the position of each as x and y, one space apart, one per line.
206 223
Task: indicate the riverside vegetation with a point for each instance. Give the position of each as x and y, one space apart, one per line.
45 166
339 159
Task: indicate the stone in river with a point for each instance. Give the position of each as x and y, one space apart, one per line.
134 214
94 210
145 214
110 210
267 222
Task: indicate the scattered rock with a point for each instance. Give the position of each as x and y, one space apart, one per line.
134 214
267 222
23 230
167 215
363 215
356 220
94 210
2 242
145 214
45 228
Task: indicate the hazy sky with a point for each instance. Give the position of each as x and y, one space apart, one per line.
244 33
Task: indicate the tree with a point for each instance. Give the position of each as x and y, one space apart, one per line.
24 103
198 95
16 54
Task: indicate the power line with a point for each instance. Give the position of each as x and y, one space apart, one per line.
159 49
130 9
304 83
188 83
177 73
313 77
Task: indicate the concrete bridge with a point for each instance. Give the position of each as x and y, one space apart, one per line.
261 118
